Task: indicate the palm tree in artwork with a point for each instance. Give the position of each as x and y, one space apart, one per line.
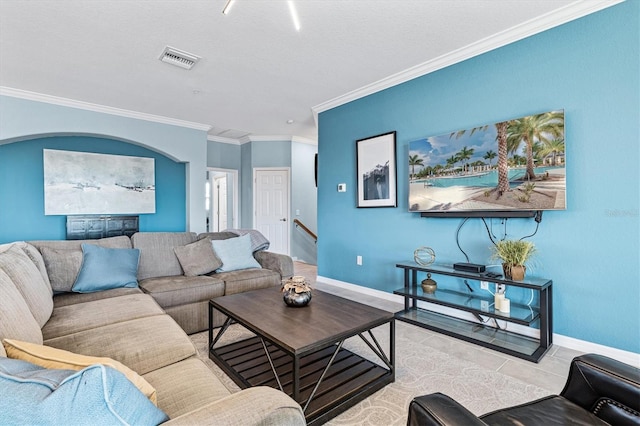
414 161
464 154
503 167
490 155
533 128
451 161
553 147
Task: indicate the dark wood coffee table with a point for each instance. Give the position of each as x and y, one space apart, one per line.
300 350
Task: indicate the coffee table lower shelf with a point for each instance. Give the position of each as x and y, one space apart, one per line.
349 380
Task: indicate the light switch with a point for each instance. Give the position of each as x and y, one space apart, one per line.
342 187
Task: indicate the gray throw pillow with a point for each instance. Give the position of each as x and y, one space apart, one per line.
197 258
62 267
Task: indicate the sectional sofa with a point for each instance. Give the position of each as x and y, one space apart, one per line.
68 334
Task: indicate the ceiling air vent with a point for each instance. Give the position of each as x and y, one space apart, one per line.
179 58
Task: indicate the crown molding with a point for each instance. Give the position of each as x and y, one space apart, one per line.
87 106
570 12
300 139
222 139
272 138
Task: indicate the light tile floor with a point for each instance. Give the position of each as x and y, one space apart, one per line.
550 373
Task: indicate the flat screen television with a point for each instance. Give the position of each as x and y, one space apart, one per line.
512 168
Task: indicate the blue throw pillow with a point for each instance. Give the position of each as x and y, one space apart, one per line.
97 395
106 268
235 253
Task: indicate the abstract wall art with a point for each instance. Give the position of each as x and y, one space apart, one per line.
88 183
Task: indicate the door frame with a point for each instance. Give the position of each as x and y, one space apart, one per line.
224 177
234 179
288 207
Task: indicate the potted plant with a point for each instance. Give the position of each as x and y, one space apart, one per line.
297 291
514 254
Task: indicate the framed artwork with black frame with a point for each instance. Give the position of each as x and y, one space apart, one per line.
376 171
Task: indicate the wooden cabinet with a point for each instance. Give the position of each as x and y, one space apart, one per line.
92 227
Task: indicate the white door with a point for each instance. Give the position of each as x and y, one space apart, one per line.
220 203
271 203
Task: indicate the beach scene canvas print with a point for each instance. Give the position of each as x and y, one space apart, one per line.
87 183
518 164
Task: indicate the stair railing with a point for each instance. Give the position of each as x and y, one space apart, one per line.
305 229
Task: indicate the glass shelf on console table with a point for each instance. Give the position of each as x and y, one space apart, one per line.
479 305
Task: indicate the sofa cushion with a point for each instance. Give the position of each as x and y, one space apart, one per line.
143 344
63 267
54 253
197 258
248 279
185 386
27 278
194 317
121 241
53 358
97 313
180 290
157 258
36 258
222 235
106 268
66 299
96 395
16 320
235 254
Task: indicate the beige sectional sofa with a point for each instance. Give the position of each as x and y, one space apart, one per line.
144 328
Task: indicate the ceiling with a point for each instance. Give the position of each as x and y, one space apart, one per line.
257 72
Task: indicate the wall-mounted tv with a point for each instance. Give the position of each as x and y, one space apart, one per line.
511 168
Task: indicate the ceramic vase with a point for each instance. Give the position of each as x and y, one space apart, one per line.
291 298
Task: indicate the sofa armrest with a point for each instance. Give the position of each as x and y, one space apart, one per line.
437 409
604 386
259 405
279 263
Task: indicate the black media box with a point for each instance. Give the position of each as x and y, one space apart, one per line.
469 267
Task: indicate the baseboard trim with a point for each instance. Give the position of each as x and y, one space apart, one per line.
627 357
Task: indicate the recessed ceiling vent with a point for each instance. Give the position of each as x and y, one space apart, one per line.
179 58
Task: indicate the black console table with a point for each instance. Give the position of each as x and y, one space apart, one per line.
480 304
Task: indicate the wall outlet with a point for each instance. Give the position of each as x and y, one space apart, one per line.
359 260
484 306
484 285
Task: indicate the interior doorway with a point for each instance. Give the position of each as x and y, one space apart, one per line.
221 199
271 205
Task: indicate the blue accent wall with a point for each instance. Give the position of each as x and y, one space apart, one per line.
22 187
589 67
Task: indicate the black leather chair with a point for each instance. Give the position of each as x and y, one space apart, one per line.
599 391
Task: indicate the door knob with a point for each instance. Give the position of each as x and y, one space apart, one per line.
284 219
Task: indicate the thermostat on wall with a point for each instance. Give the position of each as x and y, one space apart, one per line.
342 187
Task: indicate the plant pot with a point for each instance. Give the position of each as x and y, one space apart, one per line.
514 272
291 298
